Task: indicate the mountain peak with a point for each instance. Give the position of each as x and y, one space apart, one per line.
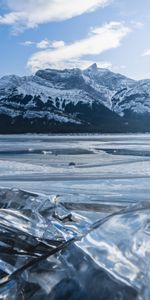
93 67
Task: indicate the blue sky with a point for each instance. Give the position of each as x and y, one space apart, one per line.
75 33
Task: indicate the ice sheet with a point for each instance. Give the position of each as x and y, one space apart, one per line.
74 217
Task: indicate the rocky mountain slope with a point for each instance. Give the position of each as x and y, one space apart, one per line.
71 100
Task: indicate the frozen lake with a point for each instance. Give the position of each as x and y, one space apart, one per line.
95 190
105 168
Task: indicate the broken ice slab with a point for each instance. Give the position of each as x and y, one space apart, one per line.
51 251
120 245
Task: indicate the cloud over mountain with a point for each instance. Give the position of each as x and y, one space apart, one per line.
100 39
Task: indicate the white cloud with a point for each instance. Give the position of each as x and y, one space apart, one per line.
43 44
99 40
76 63
137 25
27 43
58 44
30 13
146 52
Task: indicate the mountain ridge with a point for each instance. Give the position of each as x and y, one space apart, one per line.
74 100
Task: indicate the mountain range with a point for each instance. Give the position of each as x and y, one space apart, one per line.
74 100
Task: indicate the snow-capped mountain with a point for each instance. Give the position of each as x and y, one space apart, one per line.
135 99
74 100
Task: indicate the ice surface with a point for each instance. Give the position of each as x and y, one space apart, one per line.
74 217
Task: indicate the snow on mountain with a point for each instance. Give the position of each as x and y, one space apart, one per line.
92 98
74 85
135 99
104 77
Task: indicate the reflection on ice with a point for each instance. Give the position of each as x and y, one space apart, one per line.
47 250
121 246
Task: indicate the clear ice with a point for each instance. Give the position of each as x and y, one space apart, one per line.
75 217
